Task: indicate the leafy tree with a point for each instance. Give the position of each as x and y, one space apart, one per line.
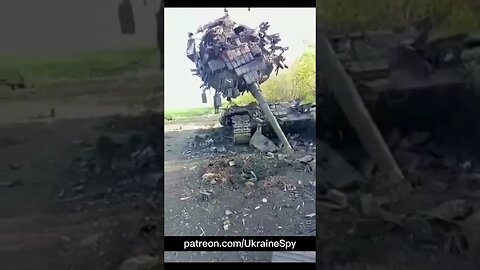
304 76
296 82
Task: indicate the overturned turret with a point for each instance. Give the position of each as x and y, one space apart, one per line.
232 58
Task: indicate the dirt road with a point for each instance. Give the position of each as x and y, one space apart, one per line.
53 213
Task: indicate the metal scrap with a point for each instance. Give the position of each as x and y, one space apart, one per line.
262 143
451 210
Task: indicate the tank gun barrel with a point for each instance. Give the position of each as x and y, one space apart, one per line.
255 90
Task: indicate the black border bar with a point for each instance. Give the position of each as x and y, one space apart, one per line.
250 266
178 243
233 4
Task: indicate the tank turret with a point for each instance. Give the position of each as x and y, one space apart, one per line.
233 58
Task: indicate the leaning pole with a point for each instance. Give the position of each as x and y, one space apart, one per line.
352 105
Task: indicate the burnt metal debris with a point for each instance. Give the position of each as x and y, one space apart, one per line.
244 120
390 79
408 59
233 58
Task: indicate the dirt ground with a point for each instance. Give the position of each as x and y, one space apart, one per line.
58 208
215 188
80 187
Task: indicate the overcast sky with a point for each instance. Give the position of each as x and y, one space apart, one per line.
296 27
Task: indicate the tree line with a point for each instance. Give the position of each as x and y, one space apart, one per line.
296 82
448 16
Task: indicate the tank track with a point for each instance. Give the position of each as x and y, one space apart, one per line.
242 128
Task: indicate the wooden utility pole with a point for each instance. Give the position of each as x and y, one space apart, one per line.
346 94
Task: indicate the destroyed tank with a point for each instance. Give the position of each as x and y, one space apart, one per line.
293 117
233 58
405 73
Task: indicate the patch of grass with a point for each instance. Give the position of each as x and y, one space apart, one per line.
173 114
449 16
41 69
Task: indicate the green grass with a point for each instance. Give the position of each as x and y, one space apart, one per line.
40 69
187 113
449 16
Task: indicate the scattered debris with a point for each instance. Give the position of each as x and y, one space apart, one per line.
419 228
334 199
226 224
451 210
454 245
306 159
90 240
414 139
144 157
78 189
209 142
335 171
262 143
289 187
408 161
213 178
313 165
142 262
249 176
270 155
249 183
206 194
12 183
152 180
470 229
371 208
282 157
